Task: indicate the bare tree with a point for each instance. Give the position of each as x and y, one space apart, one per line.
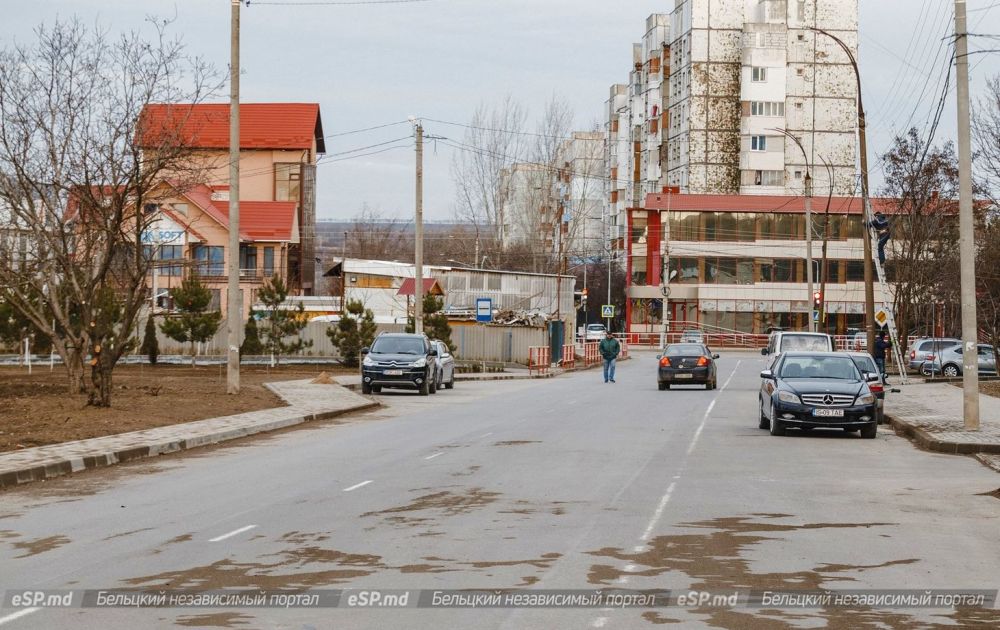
492 144
375 236
922 182
988 279
79 188
986 134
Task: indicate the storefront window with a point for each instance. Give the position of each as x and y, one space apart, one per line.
639 270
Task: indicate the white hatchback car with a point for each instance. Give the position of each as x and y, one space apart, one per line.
594 332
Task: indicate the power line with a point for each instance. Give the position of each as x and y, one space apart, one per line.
331 3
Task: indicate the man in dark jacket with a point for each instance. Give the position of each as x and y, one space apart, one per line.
880 223
881 346
609 348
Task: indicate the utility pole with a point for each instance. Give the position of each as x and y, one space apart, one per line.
343 276
867 241
234 315
418 254
823 273
967 239
809 226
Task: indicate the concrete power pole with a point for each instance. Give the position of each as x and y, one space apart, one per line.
967 240
234 311
418 254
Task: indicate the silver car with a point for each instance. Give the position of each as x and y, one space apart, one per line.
948 362
921 350
445 365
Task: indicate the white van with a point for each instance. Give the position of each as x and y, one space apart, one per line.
785 340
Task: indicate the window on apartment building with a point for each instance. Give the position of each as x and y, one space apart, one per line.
832 274
855 271
209 260
729 229
744 271
758 143
762 178
268 262
639 270
638 230
853 226
684 226
746 223
758 74
710 226
248 260
687 270
287 178
767 108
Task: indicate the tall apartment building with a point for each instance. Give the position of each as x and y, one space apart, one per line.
736 75
580 160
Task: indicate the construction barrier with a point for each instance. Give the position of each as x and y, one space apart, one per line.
569 356
624 352
539 359
591 354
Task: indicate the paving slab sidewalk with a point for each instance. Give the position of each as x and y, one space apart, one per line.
306 402
931 415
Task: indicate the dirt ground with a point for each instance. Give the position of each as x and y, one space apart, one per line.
37 410
989 387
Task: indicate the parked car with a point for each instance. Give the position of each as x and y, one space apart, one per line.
400 360
692 336
876 383
858 341
807 390
594 332
949 362
785 340
926 349
686 364
445 365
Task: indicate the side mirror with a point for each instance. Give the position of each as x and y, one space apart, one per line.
768 374
659 356
365 351
715 356
763 351
872 378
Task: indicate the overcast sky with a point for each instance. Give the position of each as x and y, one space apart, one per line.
370 65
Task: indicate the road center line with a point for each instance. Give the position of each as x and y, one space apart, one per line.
485 435
232 533
358 485
18 615
659 511
434 455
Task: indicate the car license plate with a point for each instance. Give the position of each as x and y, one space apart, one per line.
829 413
683 375
394 372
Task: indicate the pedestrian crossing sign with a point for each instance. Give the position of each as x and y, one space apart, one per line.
607 311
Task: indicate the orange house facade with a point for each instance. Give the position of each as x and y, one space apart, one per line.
279 147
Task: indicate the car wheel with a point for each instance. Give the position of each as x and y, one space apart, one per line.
869 431
762 422
366 388
424 388
951 370
661 386
377 389
450 384
433 385
776 427
925 369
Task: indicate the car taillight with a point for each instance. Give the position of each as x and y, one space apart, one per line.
913 354
930 357
664 362
703 361
875 389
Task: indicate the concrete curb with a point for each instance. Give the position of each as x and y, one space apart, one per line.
99 458
926 440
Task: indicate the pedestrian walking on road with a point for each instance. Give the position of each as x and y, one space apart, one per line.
609 348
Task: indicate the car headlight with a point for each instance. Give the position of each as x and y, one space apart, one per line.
788 397
419 363
865 399
368 362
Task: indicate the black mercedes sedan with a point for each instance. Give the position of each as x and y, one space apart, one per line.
806 390
686 364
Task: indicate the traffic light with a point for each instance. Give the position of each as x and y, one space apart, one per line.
817 300
583 296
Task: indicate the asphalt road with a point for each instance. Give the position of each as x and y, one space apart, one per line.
565 483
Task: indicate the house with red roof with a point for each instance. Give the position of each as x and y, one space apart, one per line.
280 144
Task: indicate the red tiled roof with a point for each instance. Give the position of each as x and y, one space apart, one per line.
206 126
760 203
263 220
431 286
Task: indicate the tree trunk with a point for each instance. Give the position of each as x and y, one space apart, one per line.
192 353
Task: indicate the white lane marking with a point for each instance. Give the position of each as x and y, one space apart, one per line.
599 622
484 435
708 412
434 455
17 615
659 511
358 485
232 533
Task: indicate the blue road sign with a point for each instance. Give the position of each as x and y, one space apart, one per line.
484 309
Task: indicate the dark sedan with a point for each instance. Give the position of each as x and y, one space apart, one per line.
816 389
686 364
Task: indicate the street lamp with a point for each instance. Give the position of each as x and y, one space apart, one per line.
869 286
809 230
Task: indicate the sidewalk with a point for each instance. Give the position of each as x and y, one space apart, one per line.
931 415
306 402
